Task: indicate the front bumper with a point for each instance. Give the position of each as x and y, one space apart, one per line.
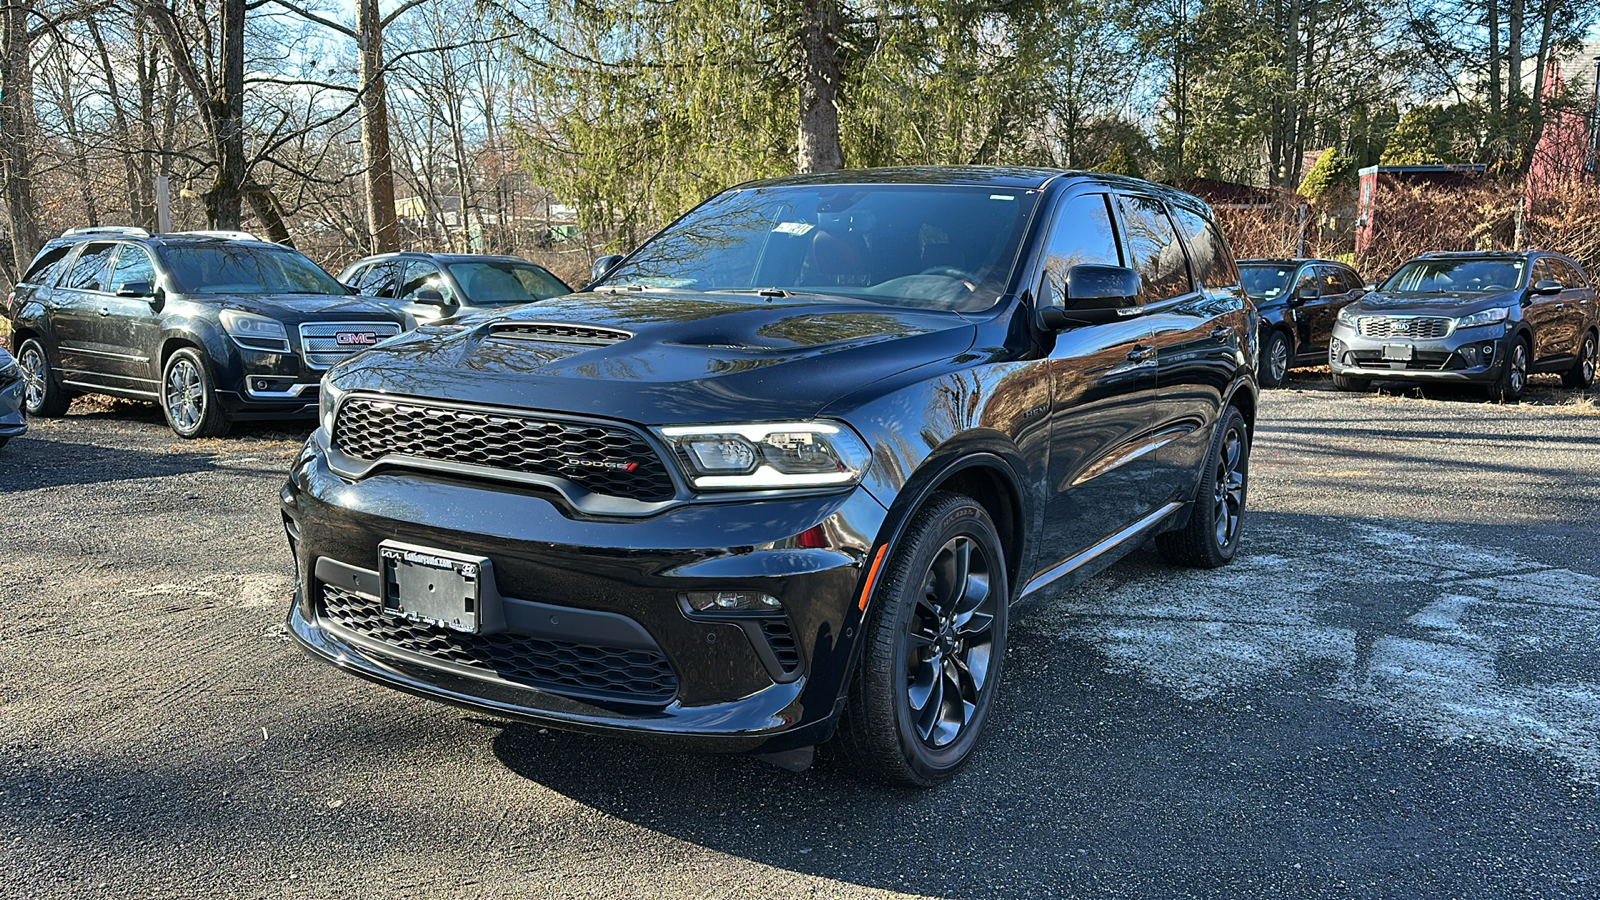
1471 355
608 587
12 420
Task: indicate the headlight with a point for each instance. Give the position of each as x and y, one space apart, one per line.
327 404
255 332
1347 316
1486 317
768 455
9 370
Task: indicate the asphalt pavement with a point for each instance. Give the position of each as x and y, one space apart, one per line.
1394 691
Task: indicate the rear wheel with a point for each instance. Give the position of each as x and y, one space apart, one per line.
1274 359
1354 385
934 641
1581 375
41 396
188 397
1211 536
1513 378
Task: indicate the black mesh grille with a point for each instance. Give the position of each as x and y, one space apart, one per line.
561 667
604 459
1422 360
781 638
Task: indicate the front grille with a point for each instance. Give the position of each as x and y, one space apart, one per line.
561 667
555 332
1422 328
321 345
780 637
604 459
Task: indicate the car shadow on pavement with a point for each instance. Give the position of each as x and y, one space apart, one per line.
32 463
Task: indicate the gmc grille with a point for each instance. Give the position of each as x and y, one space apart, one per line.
324 343
600 458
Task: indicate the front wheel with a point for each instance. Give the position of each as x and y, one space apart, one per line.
1274 360
1513 378
1352 384
933 644
188 397
1211 537
1581 375
41 396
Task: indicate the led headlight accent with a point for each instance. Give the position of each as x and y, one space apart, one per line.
255 332
1486 317
769 455
328 404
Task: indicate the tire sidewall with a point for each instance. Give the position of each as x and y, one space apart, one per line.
1233 421
968 519
1266 375
47 371
208 393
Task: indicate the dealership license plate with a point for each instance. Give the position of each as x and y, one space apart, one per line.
1399 352
433 587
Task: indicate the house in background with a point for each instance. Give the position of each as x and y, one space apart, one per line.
1376 180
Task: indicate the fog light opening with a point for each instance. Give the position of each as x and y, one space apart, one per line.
718 602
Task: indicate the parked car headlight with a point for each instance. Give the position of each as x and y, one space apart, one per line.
1486 317
255 332
9 370
767 455
327 404
1348 316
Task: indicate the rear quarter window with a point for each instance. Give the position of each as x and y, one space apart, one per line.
1214 266
47 266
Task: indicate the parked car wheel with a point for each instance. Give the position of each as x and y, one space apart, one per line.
1514 376
1581 375
935 639
1274 359
189 398
1354 385
1211 536
42 397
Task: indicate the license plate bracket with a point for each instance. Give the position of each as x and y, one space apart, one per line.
434 587
1399 352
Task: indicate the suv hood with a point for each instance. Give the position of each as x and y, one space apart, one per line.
661 358
301 307
1449 305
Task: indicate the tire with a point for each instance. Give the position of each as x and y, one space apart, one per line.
42 396
1581 375
1275 360
933 634
1352 384
189 397
1513 380
1210 538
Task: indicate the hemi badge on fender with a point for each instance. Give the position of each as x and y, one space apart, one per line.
872 576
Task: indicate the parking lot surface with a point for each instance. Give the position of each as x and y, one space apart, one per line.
1394 691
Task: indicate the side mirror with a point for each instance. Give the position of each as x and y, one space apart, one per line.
1547 287
603 265
1096 295
1369 287
431 296
1306 293
138 289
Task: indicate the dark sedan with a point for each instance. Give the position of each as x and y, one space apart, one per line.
1297 300
432 286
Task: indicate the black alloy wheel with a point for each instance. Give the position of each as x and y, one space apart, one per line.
1581 375
1210 538
41 396
934 637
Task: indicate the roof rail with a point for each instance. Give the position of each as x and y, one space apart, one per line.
220 234
106 229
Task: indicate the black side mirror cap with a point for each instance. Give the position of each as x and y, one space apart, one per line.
1096 295
603 266
1547 287
1307 294
431 296
137 289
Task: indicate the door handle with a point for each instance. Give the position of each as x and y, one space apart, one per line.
1140 353
1221 331
1561 306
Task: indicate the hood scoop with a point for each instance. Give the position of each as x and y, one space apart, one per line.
557 333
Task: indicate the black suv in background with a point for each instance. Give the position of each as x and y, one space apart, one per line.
432 286
748 492
1297 300
1484 318
213 326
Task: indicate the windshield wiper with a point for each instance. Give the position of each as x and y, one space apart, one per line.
777 293
631 289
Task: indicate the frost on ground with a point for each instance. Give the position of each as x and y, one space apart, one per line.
1464 642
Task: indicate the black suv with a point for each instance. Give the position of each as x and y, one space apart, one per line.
432 286
784 470
1297 300
1484 318
213 326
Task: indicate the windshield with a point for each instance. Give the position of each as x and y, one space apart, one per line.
229 268
1456 276
1266 282
502 283
941 247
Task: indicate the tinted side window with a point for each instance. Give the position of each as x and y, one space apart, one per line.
47 266
89 266
377 280
1081 235
1153 244
1330 280
1541 271
133 264
1307 279
1352 281
1213 262
1568 275
421 275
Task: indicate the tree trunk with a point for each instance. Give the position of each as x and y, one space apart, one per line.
17 125
382 228
224 199
1492 23
1514 62
818 149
